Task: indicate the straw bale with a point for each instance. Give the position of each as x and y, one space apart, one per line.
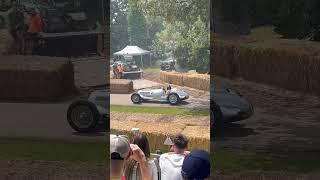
35 77
172 77
281 67
121 86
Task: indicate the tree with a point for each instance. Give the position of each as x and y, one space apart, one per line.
119 25
199 44
137 27
177 10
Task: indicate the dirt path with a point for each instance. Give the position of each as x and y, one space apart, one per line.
283 120
49 170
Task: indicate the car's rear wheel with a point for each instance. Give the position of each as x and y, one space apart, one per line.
216 119
173 99
136 99
83 116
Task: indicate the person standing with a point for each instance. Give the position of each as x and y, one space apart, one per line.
120 71
171 163
34 23
16 25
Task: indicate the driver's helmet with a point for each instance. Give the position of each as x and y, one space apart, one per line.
169 87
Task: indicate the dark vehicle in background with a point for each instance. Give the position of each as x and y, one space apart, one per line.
130 69
70 28
227 106
167 65
90 115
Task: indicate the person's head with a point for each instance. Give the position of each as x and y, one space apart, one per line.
196 166
180 143
142 141
119 151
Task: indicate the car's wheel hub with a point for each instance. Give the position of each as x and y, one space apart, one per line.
135 98
173 99
82 116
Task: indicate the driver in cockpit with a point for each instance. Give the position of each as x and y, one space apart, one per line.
164 91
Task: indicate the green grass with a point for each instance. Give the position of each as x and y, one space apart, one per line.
158 110
290 162
52 150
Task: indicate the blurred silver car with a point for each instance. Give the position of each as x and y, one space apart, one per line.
89 115
173 96
228 105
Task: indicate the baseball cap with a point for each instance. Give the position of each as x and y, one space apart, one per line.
196 165
119 144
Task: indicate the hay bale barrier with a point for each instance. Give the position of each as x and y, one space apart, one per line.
156 138
35 78
196 81
6 42
280 67
121 86
157 131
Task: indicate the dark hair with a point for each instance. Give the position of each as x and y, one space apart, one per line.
142 141
180 141
116 156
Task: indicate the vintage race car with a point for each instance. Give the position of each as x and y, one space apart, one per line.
228 106
91 114
173 96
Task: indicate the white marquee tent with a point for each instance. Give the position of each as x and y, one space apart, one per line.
133 51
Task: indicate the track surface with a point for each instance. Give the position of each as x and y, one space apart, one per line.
39 120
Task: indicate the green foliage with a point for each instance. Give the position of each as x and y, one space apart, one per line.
137 26
187 44
178 10
119 25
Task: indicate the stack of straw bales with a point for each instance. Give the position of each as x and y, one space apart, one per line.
121 86
35 77
157 133
197 81
285 68
6 42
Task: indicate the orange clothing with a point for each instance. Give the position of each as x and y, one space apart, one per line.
35 24
120 69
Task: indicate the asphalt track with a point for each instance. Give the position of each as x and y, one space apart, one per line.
40 120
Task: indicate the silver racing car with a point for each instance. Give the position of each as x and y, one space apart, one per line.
89 115
171 95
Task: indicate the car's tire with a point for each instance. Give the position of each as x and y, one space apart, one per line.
83 116
173 99
136 98
215 112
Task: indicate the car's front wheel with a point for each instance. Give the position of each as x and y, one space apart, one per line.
136 99
173 99
83 116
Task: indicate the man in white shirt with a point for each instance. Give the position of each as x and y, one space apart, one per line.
171 163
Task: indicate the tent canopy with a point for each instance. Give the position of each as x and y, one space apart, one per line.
132 51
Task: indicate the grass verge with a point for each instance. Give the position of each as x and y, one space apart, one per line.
52 150
302 162
158 110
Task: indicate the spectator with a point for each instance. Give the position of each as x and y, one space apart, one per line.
132 167
34 23
16 25
196 166
120 71
171 163
121 151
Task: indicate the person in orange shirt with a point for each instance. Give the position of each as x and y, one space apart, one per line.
120 71
34 23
